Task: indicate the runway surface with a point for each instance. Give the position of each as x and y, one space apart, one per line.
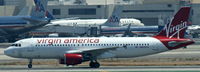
101 69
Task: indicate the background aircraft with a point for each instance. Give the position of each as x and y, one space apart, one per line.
12 26
138 30
81 24
133 30
75 50
115 19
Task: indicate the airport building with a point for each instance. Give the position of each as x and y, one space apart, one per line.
150 12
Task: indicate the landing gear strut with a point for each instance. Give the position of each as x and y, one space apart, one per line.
94 64
30 63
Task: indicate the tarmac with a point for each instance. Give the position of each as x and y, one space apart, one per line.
43 68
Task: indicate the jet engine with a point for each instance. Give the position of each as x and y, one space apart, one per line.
72 59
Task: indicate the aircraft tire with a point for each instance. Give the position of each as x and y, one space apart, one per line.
94 65
29 65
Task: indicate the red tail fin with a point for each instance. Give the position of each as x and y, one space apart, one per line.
178 25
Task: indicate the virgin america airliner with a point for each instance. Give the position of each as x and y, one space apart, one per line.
75 50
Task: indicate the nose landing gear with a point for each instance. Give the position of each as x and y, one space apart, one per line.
30 63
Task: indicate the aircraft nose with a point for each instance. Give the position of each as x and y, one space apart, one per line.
10 52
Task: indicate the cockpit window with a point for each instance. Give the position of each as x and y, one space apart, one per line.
16 45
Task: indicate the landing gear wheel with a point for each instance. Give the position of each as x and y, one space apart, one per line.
94 65
91 64
29 65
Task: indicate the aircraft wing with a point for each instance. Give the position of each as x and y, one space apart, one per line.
95 51
34 20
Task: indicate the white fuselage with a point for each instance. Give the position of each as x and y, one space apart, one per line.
94 22
55 48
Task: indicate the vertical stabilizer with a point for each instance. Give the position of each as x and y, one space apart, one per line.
114 19
49 15
25 6
128 31
25 11
178 24
40 9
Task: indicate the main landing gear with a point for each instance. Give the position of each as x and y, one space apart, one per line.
30 63
94 64
93 61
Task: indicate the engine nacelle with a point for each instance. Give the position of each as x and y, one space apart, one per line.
72 59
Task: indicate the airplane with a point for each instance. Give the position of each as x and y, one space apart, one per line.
114 19
12 26
194 27
133 30
136 30
124 33
75 50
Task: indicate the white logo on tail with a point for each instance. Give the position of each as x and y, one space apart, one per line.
171 31
114 19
